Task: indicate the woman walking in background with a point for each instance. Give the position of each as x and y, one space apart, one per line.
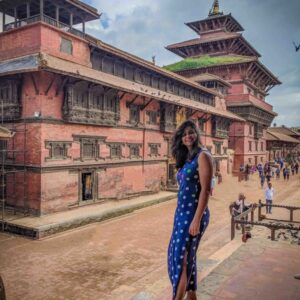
191 218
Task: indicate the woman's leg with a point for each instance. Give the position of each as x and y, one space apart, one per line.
191 295
181 288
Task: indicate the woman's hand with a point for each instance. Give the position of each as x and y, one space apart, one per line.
194 227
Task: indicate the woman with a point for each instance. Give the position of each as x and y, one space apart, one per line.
192 215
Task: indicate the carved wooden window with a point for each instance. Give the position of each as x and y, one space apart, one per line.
154 149
176 89
134 114
3 150
4 93
147 79
89 149
57 149
170 86
66 46
134 150
155 82
108 65
261 146
201 124
129 72
251 129
250 146
119 69
115 150
152 117
138 76
256 146
218 148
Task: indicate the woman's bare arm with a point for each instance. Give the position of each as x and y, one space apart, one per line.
205 175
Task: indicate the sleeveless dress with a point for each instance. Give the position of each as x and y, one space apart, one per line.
181 241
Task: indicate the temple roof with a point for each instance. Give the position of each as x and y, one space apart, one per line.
209 77
230 24
284 130
276 136
207 61
175 48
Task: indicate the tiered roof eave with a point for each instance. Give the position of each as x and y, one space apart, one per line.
196 25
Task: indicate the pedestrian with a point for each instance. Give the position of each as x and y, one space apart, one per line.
296 167
284 173
293 170
269 194
268 177
192 214
262 180
212 186
287 170
277 173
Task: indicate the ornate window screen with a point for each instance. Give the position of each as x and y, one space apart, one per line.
134 114
89 146
154 149
115 150
134 150
57 150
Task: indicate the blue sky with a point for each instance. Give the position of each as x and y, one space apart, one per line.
145 27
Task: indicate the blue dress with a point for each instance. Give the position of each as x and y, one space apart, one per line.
182 242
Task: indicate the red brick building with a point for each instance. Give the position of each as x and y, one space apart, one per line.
282 142
222 51
92 122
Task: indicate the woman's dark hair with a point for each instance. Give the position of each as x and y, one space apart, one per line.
179 151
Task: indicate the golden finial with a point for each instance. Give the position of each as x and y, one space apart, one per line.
215 10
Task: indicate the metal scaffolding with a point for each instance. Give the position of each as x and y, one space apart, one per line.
13 171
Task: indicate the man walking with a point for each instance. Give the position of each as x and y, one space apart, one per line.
269 193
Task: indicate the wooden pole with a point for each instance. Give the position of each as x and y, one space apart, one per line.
71 20
259 210
16 16
232 228
291 215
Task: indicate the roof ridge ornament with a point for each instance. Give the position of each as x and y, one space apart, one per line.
215 10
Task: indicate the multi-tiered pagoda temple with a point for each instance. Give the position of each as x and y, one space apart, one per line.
222 51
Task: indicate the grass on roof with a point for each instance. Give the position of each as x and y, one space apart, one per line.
204 61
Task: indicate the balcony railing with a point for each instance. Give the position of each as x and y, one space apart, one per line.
46 19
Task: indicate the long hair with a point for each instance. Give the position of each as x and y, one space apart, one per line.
179 151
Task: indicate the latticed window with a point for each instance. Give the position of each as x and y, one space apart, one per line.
250 146
57 150
152 117
3 149
201 124
4 93
218 148
88 149
115 150
134 114
154 149
134 150
262 146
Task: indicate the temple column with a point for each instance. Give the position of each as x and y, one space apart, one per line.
57 14
71 20
83 26
28 10
3 21
42 9
15 16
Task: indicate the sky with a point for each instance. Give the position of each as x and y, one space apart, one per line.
145 27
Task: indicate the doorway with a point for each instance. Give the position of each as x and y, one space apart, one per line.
87 184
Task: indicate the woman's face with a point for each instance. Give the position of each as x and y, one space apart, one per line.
189 137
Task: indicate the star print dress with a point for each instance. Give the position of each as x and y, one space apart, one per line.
182 243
